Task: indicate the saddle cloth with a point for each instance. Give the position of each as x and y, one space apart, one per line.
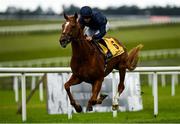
113 46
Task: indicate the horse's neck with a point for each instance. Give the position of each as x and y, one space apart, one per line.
81 48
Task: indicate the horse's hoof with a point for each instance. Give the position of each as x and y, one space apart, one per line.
78 108
88 109
115 107
102 97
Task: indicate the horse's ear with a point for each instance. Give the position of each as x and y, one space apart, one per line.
65 16
75 15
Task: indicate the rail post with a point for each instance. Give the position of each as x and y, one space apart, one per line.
41 90
16 88
155 93
23 87
33 82
173 79
163 80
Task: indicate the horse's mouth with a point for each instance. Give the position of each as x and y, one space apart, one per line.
64 46
63 43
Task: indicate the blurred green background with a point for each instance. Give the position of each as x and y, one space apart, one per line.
41 48
45 44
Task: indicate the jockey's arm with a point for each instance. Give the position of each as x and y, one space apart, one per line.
102 32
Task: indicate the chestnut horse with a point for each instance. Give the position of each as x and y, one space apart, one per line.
88 63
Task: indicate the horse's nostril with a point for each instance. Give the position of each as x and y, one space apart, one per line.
62 42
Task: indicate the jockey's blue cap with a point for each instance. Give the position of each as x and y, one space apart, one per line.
86 11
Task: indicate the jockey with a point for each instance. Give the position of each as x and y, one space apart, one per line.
95 26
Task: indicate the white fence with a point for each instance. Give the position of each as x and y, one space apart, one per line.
143 70
16 79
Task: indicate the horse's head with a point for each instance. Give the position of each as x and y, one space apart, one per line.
70 30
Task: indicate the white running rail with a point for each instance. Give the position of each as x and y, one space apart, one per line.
154 70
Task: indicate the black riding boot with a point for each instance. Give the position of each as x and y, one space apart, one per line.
108 54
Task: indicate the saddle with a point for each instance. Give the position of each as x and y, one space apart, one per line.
112 45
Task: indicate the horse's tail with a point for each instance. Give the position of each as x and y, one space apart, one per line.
133 57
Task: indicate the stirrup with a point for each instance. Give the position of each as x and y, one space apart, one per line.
108 56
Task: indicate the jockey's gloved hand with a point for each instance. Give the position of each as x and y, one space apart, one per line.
88 38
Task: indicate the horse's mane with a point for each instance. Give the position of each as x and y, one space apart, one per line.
82 32
82 36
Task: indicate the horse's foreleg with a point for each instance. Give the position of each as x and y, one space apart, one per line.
72 81
101 98
96 87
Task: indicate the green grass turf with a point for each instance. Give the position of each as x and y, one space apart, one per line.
31 46
36 111
45 44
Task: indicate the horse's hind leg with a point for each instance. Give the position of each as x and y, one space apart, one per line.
96 87
72 81
122 73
